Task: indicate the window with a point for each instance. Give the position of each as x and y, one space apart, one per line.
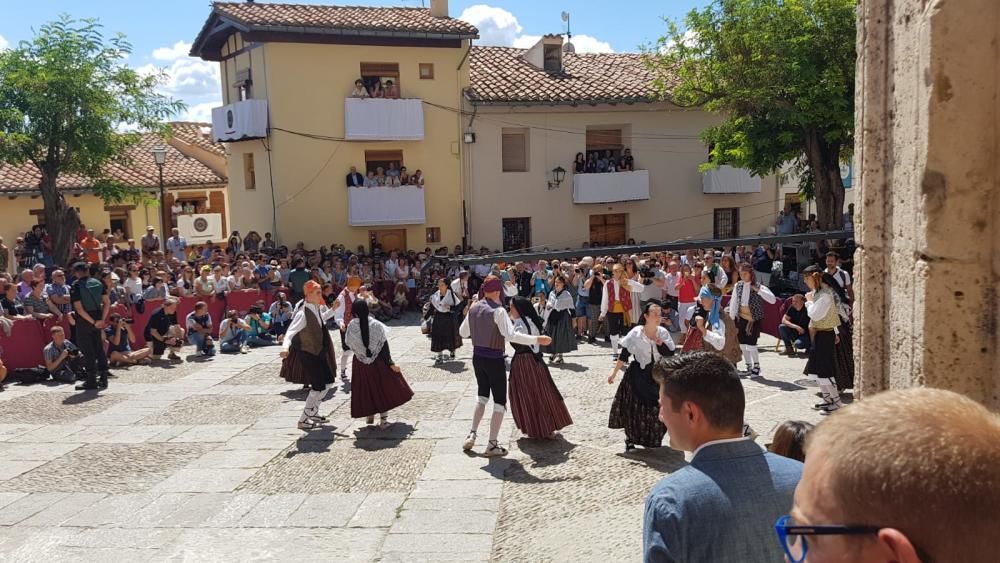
249 176
608 229
514 150
552 58
601 141
726 222
516 233
433 234
376 159
372 73
242 84
119 216
426 71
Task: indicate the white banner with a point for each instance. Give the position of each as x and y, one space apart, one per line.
386 206
373 119
728 180
200 228
609 187
241 120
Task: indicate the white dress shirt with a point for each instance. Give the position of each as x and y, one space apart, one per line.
743 291
632 285
322 312
504 325
443 304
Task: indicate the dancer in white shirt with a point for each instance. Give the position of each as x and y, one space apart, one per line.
747 309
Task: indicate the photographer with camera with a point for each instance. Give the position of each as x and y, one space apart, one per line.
120 338
260 326
164 331
233 334
199 329
62 358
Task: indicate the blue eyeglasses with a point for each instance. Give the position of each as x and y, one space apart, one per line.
793 538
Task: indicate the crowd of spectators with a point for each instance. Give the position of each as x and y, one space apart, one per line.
374 87
595 162
392 176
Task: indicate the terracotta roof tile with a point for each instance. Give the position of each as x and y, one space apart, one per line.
140 171
198 134
257 15
501 75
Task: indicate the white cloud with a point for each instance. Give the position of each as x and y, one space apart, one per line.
180 49
500 27
199 112
3 42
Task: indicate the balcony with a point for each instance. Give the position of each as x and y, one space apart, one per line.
385 206
729 180
611 187
240 121
383 119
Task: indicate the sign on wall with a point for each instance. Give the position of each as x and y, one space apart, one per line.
200 228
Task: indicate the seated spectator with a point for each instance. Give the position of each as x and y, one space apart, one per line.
233 334
120 338
12 306
359 90
790 439
156 290
220 281
281 314
903 476
626 162
116 293
794 327
3 374
391 90
24 285
133 285
722 506
199 329
260 327
204 285
62 358
57 292
164 332
400 301
36 305
130 254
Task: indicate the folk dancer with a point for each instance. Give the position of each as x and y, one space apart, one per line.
308 354
444 336
559 309
377 386
711 329
747 309
824 322
343 313
537 405
636 405
616 304
489 326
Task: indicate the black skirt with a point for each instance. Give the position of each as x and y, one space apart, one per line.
822 356
747 332
444 333
634 412
845 359
560 328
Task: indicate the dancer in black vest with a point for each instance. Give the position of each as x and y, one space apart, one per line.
309 355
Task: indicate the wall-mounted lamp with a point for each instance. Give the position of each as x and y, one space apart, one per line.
558 175
469 137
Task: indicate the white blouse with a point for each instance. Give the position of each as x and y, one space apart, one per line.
642 348
524 328
632 285
322 312
743 291
445 303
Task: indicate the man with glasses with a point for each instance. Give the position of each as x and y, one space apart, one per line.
722 506
904 476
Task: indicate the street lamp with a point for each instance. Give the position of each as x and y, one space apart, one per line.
160 157
558 175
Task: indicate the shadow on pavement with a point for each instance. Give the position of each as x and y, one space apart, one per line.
372 438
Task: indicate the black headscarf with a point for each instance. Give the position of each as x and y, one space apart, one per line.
359 310
832 282
527 311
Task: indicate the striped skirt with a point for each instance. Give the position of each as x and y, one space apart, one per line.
535 402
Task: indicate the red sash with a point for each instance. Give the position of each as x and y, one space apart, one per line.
348 300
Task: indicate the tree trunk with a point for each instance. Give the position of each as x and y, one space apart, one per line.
824 161
61 220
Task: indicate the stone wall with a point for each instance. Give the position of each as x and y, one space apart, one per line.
929 207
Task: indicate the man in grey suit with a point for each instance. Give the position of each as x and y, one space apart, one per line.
723 505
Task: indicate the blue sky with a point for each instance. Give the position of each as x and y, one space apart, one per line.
161 31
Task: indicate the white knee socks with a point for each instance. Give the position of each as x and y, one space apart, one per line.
754 355
496 421
345 359
747 357
828 387
614 345
478 412
312 404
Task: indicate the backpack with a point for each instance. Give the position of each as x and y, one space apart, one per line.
29 376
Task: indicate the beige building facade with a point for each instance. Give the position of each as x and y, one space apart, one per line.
528 120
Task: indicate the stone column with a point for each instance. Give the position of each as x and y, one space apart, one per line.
928 148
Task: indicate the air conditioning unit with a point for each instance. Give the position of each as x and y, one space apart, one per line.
240 121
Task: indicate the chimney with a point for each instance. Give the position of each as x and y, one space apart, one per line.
439 8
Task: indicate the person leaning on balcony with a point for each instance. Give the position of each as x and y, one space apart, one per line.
355 179
377 91
370 180
404 177
391 90
580 164
359 90
591 165
380 178
417 179
626 162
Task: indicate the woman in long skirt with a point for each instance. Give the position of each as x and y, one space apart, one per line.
636 405
747 309
824 321
559 321
844 352
537 405
444 330
378 386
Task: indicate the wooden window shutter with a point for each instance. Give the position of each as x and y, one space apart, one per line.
604 139
514 151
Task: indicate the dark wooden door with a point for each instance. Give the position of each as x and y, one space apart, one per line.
609 229
394 239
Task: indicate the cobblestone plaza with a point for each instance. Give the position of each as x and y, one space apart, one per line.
201 461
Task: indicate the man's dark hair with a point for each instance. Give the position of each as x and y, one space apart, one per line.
81 267
833 254
707 380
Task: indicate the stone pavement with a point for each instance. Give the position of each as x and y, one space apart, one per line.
201 461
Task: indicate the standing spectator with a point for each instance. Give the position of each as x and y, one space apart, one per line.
722 506
199 329
92 306
233 334
359 90
626 163
176 245
58 292
62 357
164 332
842 277
92 248
391 90
120 339
175 210
790 439
150 243
794 328
904 476
4 257
235 244
131 254
297 279
788 221
355 179
268 246
763 263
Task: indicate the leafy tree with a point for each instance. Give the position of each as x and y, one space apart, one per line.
781 73
66 98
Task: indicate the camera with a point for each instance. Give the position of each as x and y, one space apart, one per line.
255 310
129 321
646 273
74 353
